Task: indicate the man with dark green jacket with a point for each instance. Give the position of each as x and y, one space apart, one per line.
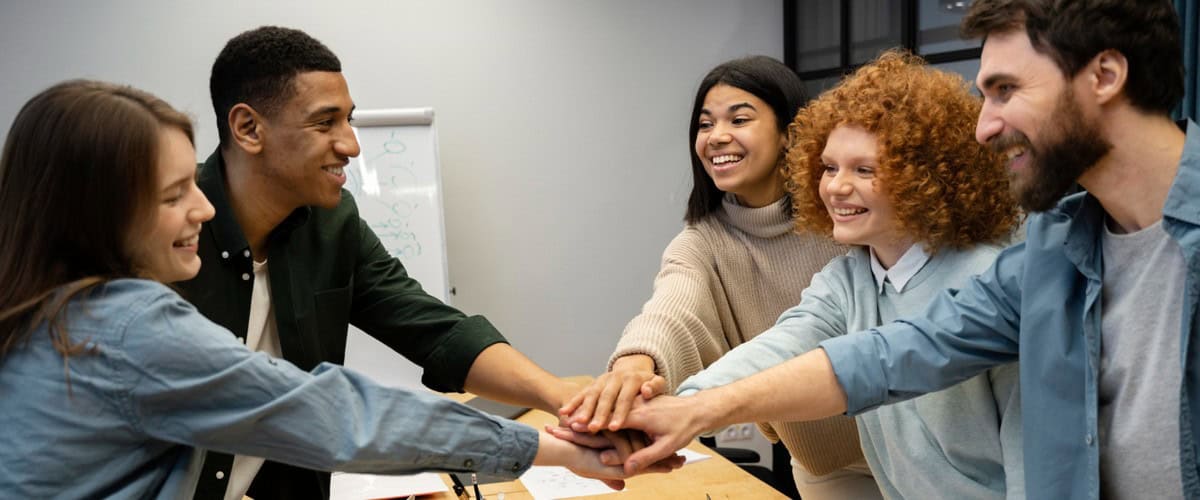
289 264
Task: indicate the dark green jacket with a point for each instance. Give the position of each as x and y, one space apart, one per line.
328 270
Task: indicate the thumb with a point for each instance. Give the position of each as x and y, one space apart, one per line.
648 455
654 387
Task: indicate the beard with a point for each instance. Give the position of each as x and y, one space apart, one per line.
1073 145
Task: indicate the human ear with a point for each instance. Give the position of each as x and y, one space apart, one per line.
245 128
1107 74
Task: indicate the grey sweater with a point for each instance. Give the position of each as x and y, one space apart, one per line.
963 442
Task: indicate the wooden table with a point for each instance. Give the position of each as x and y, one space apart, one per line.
717 477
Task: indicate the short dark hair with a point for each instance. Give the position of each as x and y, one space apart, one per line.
78 174
1072 32
257 68
767 79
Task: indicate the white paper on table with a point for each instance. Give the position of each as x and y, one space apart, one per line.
347 486
690 456
549 482
546 483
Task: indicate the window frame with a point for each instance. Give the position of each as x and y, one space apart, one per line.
908 40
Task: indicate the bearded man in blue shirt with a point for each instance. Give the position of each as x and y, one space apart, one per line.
1098 304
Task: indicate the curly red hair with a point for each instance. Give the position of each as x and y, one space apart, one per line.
945 188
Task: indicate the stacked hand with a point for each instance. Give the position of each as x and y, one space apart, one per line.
606 402
628 398
595 456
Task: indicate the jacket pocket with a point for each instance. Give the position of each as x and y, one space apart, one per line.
331 310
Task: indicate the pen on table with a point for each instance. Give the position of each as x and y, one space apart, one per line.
459 490
475 484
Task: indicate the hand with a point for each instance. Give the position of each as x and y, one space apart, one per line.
670 423
582 460
608 443
606 401
624 443
616 445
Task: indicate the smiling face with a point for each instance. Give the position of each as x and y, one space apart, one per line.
166 249
1031 115
861 212
309 141
740 146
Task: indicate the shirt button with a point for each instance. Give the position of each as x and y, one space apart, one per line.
1088 439
224 254
468 463
516 467
245 276
220 474
246 253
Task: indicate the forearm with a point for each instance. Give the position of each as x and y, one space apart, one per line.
335 419
679 327
503 374
773 347
804 388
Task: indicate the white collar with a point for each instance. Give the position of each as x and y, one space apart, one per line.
905 268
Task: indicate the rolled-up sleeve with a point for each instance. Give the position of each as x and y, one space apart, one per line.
193 383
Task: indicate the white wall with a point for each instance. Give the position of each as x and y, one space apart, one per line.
562 124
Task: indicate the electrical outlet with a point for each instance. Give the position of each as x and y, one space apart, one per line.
731 433
739 432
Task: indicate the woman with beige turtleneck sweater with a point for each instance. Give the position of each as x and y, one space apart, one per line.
733 270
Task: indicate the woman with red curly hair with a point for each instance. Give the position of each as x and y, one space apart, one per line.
887 162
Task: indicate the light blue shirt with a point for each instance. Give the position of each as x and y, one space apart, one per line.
903 270
1040 302
960 442
124 420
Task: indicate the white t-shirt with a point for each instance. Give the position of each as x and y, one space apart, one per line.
261 336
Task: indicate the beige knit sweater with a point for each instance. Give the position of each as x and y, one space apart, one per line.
723 281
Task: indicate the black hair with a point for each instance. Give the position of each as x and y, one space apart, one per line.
767 79
257 68
1072 32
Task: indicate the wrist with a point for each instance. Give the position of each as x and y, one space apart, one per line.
711 410
556 393
551 450
634 362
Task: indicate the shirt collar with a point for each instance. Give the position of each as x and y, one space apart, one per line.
1185 189
905 268
228 232
229 236
1085 216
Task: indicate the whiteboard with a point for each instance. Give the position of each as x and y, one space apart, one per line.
396 182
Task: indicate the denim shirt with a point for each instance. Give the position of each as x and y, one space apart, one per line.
124 420
1040 302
